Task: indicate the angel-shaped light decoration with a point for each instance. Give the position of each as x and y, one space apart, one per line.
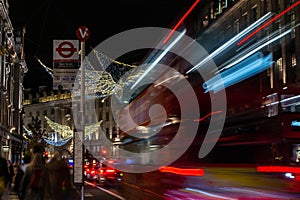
63 130
63 133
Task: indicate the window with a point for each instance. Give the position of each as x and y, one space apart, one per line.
293 23
271 105
237 26
279 68
205 21
265 6
245 20
254 13
294 60
107 116
114 132
212 13
107 132
290 103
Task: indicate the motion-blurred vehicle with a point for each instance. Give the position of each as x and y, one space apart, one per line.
91 174
108 176
91 170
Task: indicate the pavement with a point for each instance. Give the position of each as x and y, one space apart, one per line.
10 196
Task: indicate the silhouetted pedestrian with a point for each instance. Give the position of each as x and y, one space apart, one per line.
4 176
10 174
26 161
35 179
16 180
60 185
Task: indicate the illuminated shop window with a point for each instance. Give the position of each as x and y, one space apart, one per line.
279 68
271 105
294 60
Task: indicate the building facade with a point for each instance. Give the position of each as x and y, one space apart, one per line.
12 70
231 17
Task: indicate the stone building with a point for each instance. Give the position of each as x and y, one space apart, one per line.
12 70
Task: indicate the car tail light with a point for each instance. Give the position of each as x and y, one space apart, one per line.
110 171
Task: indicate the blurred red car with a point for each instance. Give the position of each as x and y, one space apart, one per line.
108 176
91 171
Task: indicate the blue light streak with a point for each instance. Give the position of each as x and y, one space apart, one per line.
241 71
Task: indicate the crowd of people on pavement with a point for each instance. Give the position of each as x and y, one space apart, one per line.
37 178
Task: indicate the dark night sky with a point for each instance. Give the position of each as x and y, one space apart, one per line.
47 20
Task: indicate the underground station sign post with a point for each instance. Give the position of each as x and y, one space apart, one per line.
82 33
78 158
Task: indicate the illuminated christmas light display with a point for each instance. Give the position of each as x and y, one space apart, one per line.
110 79
63 133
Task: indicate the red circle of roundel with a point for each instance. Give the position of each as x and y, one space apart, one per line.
66 49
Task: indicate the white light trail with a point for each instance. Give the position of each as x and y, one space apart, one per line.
159 58
209 194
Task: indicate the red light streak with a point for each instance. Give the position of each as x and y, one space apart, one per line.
268 23
282 169
206 116
180 21
181 171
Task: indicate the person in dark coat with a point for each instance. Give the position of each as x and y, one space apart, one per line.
16 180
26 160
4 176
10 174
60 185
35 180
